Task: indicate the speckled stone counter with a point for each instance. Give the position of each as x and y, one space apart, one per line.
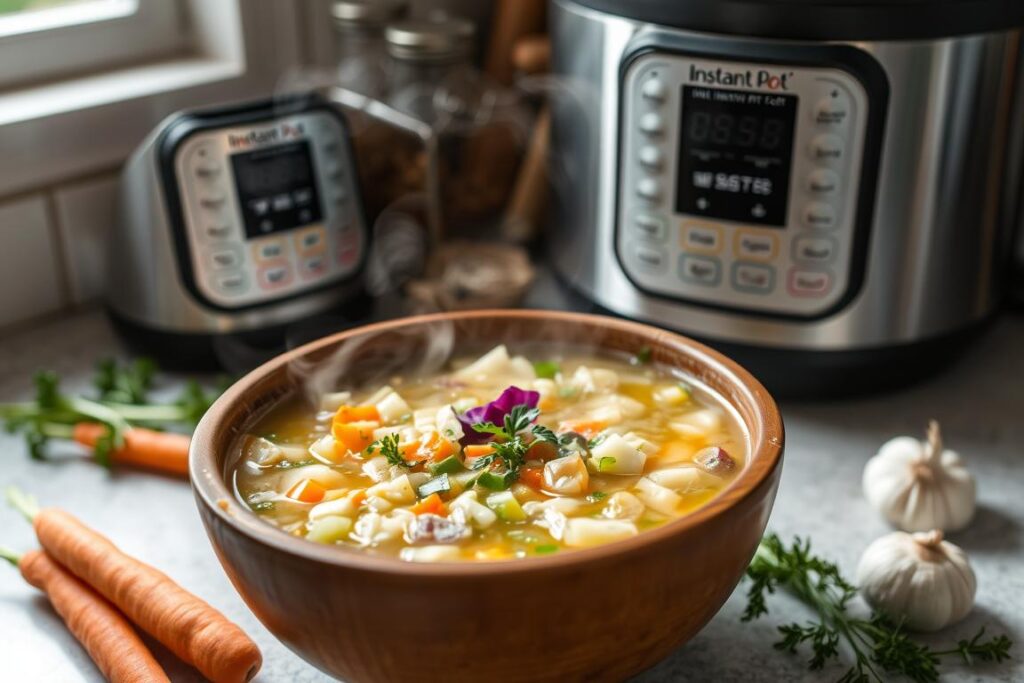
980 402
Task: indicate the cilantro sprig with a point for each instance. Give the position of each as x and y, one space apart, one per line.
878 643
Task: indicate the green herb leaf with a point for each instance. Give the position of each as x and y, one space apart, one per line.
642 356
879 645
596 497
388 447
546 369
546 549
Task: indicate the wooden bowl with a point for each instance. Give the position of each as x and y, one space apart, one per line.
598 614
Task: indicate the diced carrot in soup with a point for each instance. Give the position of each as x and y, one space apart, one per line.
355 436
568 467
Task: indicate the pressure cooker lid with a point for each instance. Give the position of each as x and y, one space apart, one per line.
823 19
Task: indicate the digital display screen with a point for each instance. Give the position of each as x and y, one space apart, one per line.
276 188
735 154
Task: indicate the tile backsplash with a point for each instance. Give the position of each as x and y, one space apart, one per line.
52 245
32 278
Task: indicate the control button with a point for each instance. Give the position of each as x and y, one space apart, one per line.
334 170
218 231
809 283
700 270
213 200
827 147
652 124
651 157
649 258
832 110
814 249
753 278
650 227
274 276
758 246
702 239
823 181
649 189
654 89
268 250
233 283
225 258
313 267
311 239
303 196
819 215
282 202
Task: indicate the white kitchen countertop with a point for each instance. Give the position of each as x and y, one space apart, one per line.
980 403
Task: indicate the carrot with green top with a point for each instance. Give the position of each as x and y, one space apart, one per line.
165 452
189 627
105 634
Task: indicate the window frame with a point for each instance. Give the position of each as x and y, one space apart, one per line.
126 32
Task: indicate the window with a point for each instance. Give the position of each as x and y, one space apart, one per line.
43 40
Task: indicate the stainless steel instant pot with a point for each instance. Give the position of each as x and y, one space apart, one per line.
822 188
236 223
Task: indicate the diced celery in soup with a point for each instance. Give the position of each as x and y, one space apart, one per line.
499 457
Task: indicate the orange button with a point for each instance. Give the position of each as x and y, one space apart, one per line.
311 240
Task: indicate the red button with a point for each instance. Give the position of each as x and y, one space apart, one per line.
809 283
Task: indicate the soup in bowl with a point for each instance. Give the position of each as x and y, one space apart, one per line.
518 495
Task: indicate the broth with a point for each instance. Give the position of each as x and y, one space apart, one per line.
502 457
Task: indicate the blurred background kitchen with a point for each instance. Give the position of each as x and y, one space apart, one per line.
228 179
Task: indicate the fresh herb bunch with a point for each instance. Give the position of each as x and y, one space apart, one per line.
509 444
122 402
388 447
879 644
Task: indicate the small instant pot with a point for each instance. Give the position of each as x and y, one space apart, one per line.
237 223
825 189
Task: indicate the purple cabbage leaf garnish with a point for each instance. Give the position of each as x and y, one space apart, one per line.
494 413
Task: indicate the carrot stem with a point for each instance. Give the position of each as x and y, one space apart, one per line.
22 502
9 555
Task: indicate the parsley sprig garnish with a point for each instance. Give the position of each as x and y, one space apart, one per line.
879 644
509 444
388 447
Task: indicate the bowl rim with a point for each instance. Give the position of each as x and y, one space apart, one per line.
212 490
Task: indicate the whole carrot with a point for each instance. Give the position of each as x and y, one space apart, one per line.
189 627
162 451
104 632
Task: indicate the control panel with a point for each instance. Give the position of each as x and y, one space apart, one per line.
269 209
739 182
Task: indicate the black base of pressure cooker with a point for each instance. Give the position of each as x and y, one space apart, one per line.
797 374
237 352
803 374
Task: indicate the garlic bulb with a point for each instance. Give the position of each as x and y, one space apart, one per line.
918 577
918 486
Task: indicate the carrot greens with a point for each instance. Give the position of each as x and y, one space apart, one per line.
121 402
879 644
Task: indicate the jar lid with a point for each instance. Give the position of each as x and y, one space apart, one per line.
430 40
367 12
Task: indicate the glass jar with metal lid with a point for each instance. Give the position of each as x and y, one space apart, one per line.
359 48
427 55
